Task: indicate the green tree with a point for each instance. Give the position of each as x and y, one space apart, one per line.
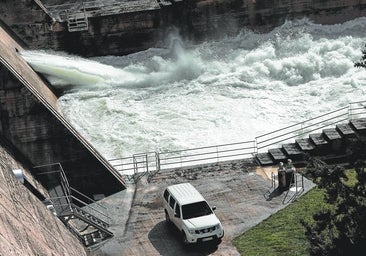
340 230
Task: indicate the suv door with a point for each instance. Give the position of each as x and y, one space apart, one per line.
177 216
170 208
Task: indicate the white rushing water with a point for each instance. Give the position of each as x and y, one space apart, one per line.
216 92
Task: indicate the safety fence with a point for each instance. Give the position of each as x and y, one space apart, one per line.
148 163
135 166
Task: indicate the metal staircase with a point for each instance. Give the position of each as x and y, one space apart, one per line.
89 229
86 221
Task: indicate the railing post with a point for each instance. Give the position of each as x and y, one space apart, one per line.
217 153
147 163
255 145
157 161
349 111
134 164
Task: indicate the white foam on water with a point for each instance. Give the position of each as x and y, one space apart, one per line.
211 93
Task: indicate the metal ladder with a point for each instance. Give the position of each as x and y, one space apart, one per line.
77 20
79 217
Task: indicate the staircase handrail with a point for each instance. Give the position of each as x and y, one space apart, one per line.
43 7
85 196
87 206
70 205
311 119
290 129
299 134
104 224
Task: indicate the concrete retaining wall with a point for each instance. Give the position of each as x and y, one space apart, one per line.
27 227
196 19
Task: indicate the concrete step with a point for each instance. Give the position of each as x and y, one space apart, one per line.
278 155
318 139
331 134
334 139
305 144
359 125
346 130
321 144
293 151
264 159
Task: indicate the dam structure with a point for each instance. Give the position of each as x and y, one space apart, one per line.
54 182
54 166
116 27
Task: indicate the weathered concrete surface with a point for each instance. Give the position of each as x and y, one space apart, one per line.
143 23
241 191
27 227
33 125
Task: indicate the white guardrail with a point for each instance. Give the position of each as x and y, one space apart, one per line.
155 161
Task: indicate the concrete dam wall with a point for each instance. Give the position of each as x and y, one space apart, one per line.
32 125
34 133
116 27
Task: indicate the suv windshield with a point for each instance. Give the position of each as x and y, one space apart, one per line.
196 210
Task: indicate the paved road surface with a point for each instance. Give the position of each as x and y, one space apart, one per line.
240 191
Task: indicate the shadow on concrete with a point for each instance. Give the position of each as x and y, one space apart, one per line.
167 240
269 195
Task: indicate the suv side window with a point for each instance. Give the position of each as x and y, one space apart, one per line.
166 195
177 210
171 202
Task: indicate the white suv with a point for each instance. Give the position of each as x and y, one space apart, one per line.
186 208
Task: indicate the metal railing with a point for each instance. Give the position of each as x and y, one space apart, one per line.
63 197
206 155
41 5
156 161
316 124
294 190
66 204
301 129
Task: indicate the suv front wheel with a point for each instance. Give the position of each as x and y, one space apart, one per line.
184 237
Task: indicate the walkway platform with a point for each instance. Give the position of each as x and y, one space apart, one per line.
240 190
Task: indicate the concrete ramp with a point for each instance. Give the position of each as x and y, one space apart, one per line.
32 126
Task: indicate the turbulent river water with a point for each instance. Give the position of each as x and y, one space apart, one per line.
190 95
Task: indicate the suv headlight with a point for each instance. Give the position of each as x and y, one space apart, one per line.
191 231
218 226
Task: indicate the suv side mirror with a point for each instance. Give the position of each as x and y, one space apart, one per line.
213 208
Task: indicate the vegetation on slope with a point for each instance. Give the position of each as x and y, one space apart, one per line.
328 220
